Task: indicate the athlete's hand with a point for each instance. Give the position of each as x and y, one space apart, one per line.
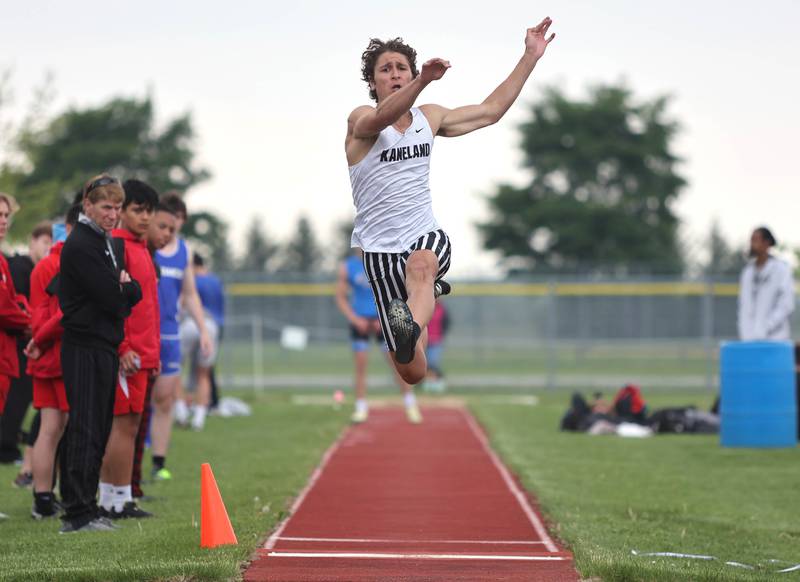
32 351
128 363
156 371
433 70
124 277
376 325
362 325
536 40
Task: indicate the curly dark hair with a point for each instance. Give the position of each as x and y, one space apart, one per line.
375 49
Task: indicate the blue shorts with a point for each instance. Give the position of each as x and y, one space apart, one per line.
360 341
170 357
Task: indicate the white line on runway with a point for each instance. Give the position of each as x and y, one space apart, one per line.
389 541
387 556
299 501
509 481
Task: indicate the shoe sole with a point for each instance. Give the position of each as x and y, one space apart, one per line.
402 324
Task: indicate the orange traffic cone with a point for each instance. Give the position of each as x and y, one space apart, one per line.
215 527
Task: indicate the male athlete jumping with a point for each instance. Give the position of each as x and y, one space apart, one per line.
388 150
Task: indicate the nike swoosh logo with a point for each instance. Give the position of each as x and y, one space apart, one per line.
420 129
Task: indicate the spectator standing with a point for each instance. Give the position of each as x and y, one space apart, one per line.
14 317
20 392
138 355
212 296
176 288
159 233
44 366
95 294
437 329
766 292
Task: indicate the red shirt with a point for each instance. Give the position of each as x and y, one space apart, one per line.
46 316
436 325
12 318
142 333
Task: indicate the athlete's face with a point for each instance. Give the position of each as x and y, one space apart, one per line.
137 218
392 73
105 213
161 230
5 216
39 247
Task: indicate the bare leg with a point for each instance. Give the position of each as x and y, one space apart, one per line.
27 460
421 269
44 451
414 372
203 394
360 359
404 386
118 460
164 392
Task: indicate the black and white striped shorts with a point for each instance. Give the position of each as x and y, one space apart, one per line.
387 274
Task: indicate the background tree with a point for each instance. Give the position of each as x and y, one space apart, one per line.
259 252
208 234
342 232
723 261
302 253
602 188
118 137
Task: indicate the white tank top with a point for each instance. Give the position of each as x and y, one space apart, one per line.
391 191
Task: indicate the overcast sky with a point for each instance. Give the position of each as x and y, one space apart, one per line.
270 86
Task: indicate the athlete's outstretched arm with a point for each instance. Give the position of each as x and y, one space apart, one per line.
454 122
368 121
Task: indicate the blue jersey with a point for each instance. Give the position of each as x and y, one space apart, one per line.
361 299
209 287
173 268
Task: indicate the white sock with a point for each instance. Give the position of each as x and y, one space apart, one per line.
410 399
199 419
122 494
361 405
106 496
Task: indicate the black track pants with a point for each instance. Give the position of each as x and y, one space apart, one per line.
90 376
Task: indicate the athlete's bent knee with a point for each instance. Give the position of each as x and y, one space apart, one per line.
420 271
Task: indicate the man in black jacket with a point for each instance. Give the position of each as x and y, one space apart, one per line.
95 295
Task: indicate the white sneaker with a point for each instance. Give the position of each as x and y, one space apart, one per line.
199 418
180 412
359 416
413 414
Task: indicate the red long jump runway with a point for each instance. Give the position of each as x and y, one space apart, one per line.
395 501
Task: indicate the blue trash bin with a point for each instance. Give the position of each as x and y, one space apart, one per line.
758 403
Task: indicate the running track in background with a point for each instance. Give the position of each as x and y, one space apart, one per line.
395 501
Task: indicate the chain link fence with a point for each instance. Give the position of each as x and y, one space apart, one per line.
559 333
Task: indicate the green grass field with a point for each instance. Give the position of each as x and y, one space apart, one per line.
605 496
650 359
668 493
260 463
